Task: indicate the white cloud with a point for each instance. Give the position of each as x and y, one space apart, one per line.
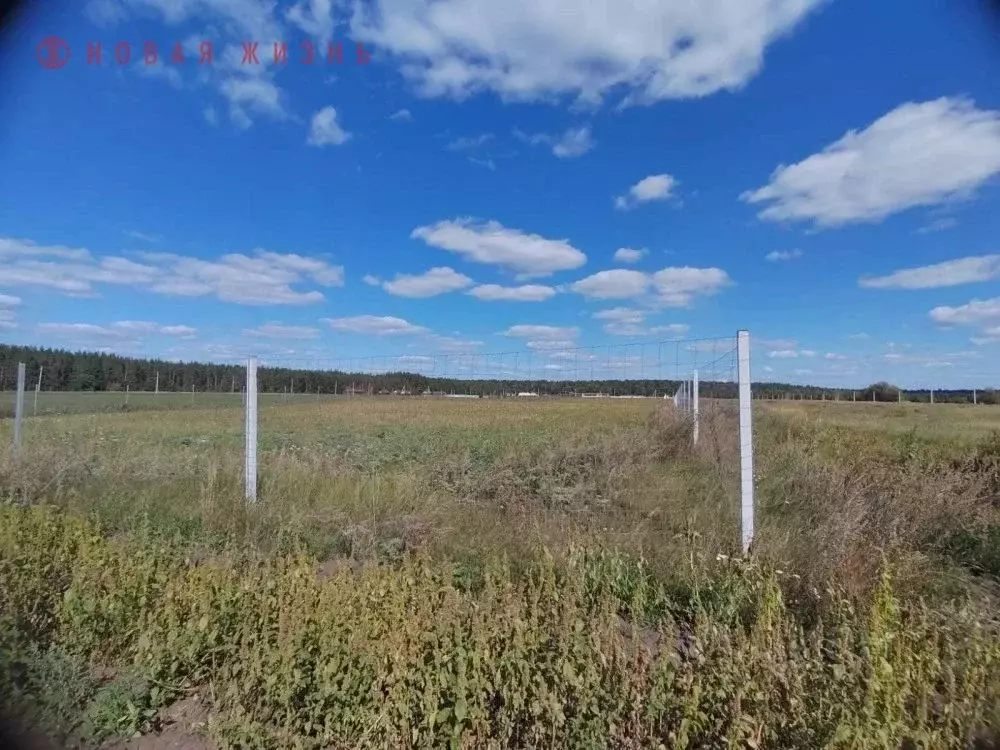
678 286
551 345
525 293
142 236
453 344
529 255
8 318
630 254
428 284
919 154
402 115
325 130
973 313
618 283
374 325
182 331
984 313
571 144
776 255
627 321
470 143
160 69
133 330
783 354
263 278
279 331
538 332
314 17
987 336
656 187
671 287
372 280
834 356
950 273
252 95
527 50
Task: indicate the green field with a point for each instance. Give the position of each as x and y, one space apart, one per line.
89 402
481 573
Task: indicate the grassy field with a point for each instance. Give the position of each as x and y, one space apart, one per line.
93 402
427 573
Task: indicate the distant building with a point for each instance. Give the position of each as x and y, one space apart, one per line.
526 393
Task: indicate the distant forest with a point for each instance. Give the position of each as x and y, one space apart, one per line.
91 371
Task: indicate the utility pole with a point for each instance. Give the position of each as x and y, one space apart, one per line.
932 395
973 396
157 383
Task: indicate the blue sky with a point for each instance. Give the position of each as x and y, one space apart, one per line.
530 175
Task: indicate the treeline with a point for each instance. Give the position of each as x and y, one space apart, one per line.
64 370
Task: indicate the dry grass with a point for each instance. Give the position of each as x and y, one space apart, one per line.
466 486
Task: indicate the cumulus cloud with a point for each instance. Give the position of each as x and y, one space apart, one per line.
262 278
253 95
678 286
428 284
401 115
972 313
571 144
525 293
374 325
968 270
279 331
649 52
529 255
324 130
627 321
777 255
314 17
919 154
618 283
656 187
982 313
630 254
670 287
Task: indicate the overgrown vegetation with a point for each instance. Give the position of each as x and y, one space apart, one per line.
490 574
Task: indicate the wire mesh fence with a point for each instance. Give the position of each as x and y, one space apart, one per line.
706 371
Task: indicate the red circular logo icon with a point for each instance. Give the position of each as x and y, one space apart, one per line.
52 52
